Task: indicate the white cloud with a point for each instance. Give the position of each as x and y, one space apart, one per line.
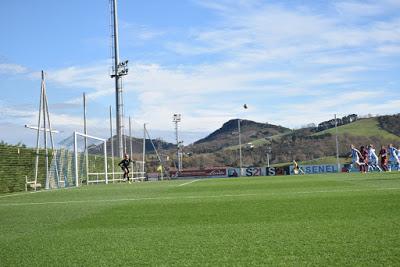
134 33
389 49
10 69
356 8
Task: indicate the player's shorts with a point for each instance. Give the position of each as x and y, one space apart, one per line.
125 169
373 162
357 161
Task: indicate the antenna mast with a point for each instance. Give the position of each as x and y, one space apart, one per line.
119 69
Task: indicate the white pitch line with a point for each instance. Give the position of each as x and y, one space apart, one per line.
188 182
22 193
192 197
34 192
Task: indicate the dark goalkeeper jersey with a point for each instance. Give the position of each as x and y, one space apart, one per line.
125 163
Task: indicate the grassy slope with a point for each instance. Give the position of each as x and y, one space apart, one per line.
364 127
346 219
259 142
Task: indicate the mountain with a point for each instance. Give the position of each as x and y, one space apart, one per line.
228 135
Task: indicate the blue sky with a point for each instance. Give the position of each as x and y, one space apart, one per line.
292 62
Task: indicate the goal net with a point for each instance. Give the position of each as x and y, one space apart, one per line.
80 159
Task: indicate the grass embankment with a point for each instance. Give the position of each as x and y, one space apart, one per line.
319 220
363 127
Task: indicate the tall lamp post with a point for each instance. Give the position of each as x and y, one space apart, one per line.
240 143
176 120
337 144
240 148
119 69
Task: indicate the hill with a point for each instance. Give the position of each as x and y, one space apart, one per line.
390 123
227 135
307 144
370 127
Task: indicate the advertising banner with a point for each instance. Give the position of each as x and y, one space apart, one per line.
313 169
272 171
252 171
233 172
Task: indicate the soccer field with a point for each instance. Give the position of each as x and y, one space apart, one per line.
336 219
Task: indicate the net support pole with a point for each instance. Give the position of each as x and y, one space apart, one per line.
38 131
158 155
46 151
85 132
130 144
54 151
76 160
112 146
144 147
105 161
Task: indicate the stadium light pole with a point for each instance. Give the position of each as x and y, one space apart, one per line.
119 69
176 120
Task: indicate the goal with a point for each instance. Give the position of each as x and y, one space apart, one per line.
81 159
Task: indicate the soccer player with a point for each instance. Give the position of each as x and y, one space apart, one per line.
124 164
372 159
355 158
363 159
393 157
384 160
398 156
296 168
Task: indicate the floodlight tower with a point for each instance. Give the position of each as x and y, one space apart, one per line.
119 69
176 120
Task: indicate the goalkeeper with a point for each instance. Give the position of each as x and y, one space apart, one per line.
124 164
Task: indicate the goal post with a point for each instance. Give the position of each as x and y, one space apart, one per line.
101 174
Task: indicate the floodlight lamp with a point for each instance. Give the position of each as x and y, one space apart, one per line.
177 117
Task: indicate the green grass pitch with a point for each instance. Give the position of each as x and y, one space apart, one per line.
336 219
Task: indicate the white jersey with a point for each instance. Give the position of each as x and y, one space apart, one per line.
355 155
372 157
393 153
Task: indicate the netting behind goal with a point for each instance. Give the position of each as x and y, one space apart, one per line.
136 148
79 159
